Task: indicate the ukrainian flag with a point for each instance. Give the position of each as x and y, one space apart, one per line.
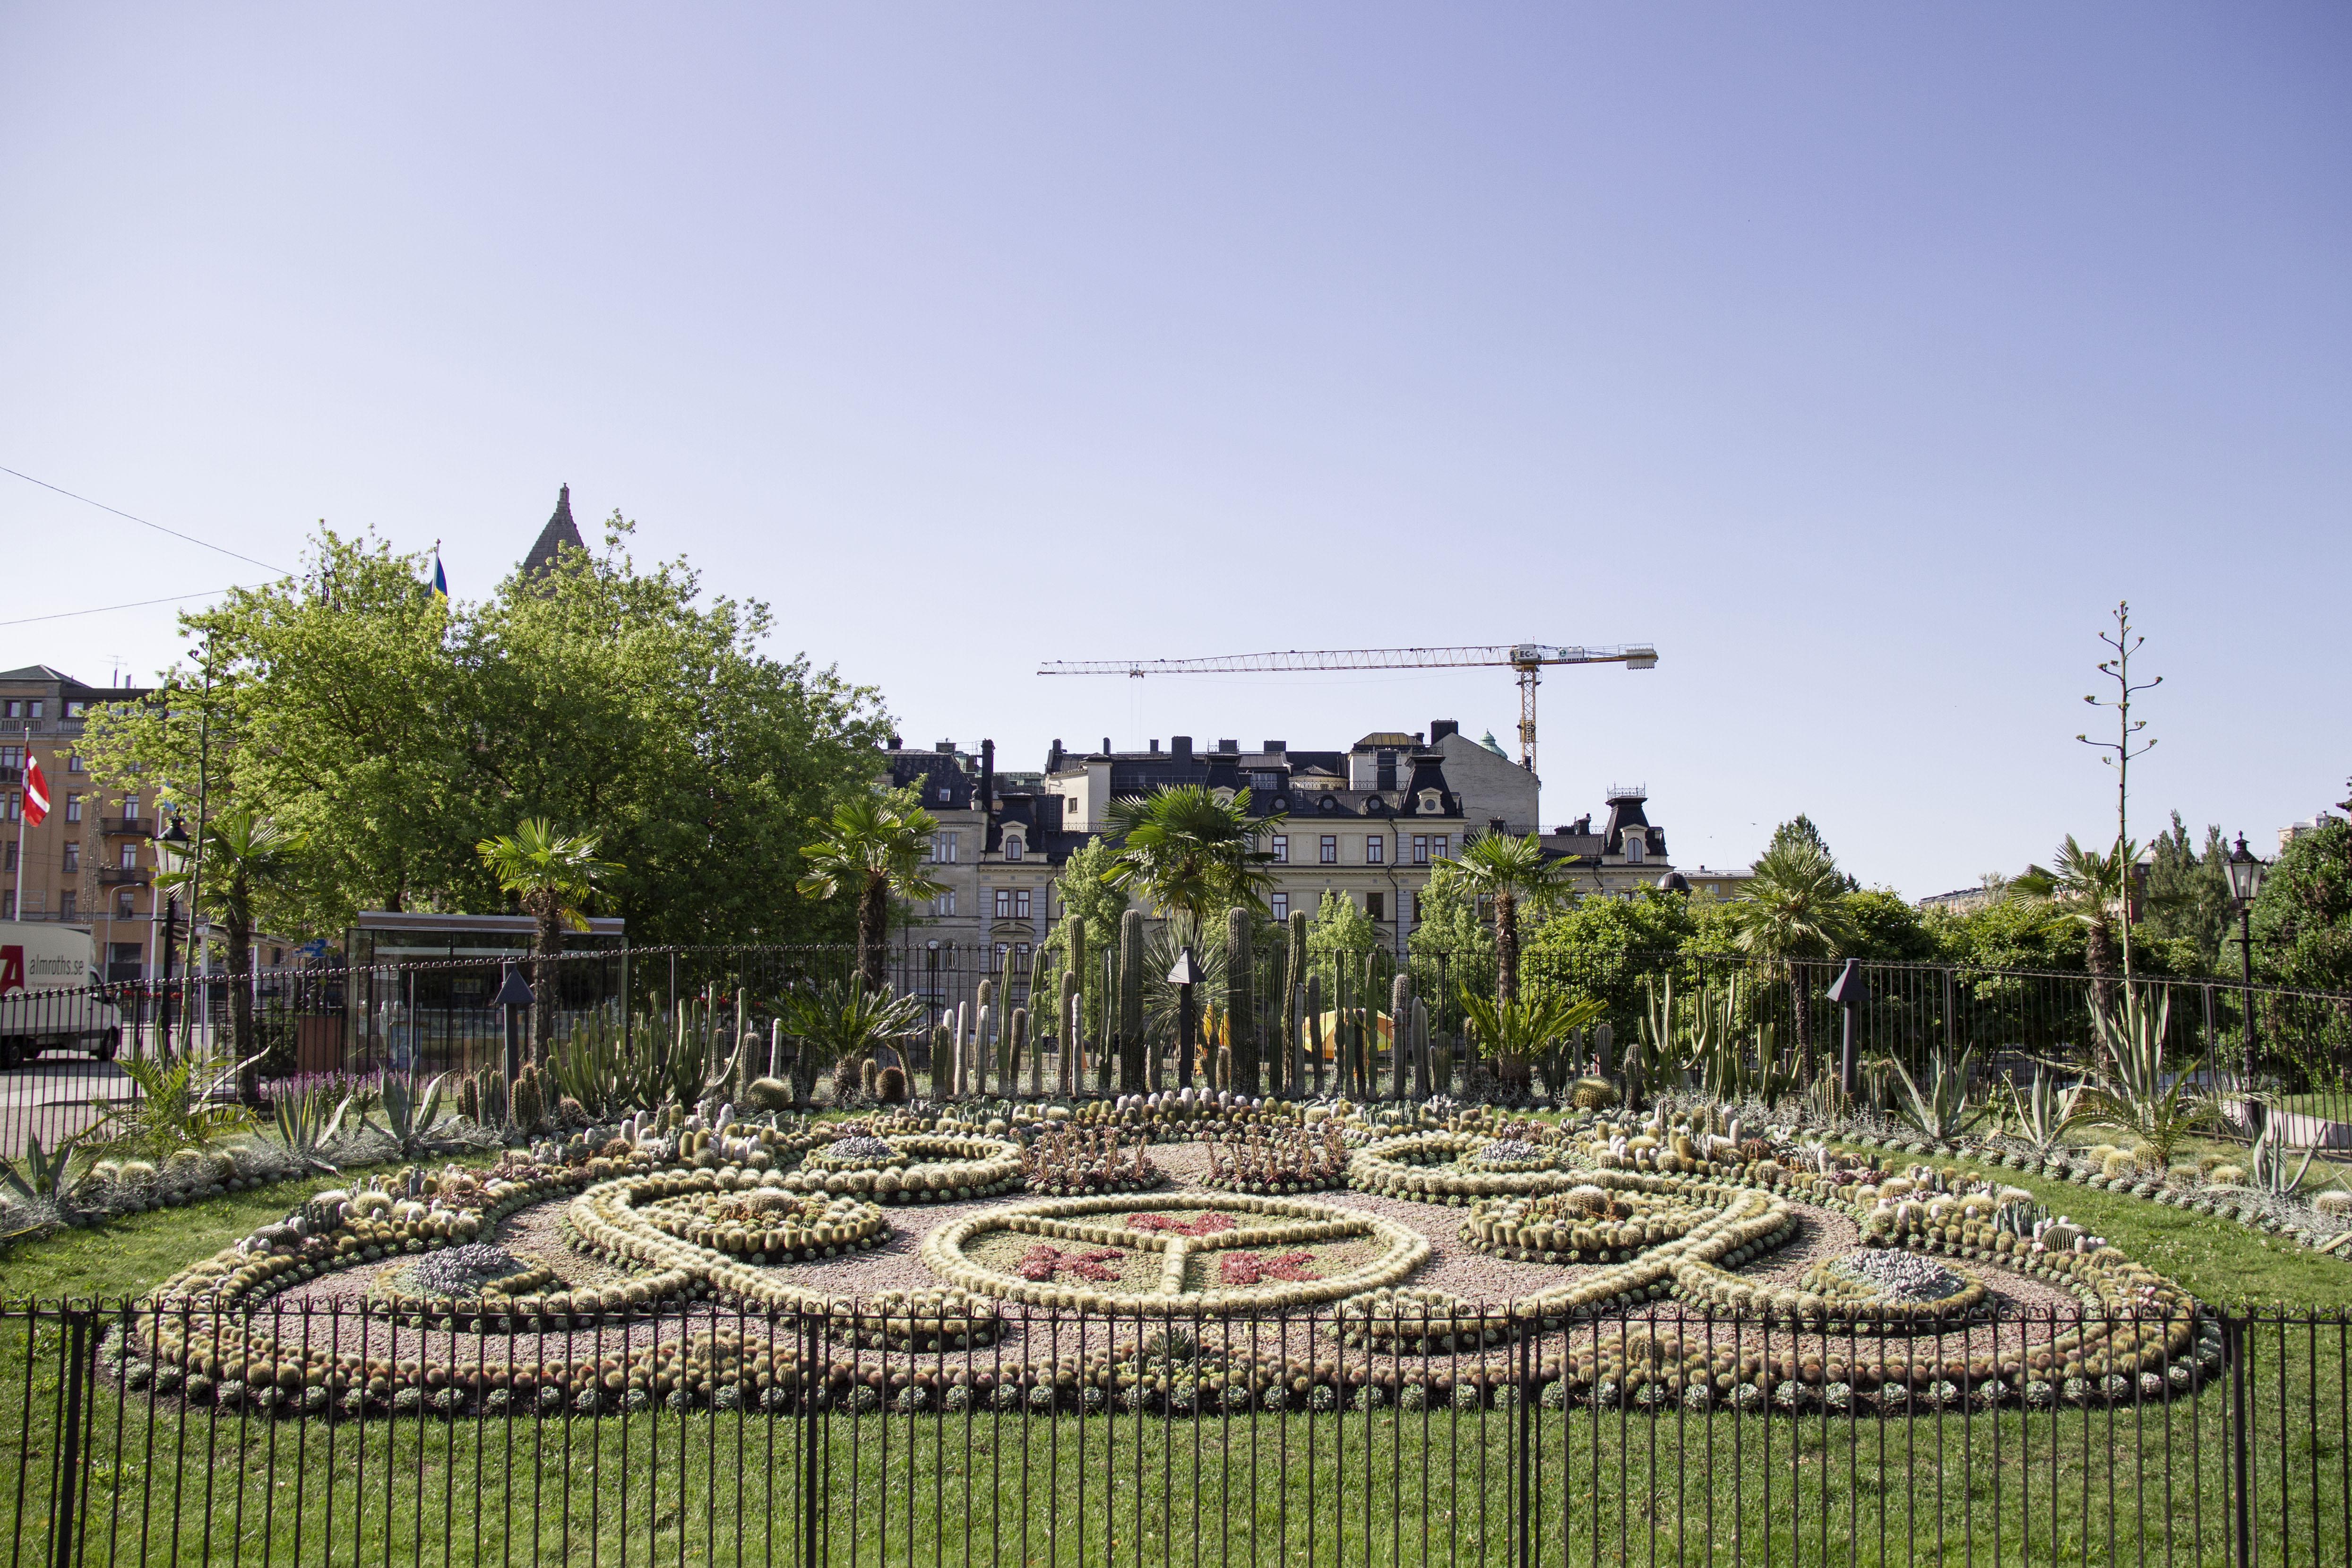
440 578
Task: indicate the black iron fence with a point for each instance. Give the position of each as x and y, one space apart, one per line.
700 1433
62 1051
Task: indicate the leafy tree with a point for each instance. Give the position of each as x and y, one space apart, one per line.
1505 872
1795 908
238 856
1339 930
1450 939
2302 918
1887 927
1612 950
1091 904
1799 832
389 733
1190 854
877 849
553 876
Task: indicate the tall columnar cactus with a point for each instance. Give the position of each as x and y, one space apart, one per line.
1420 1084
1241 1014
1075 972
942 1063
1315 1027
1072 1022
1604 1051
1020 1050
1294 994
1131 1074
1399 1033
983 1018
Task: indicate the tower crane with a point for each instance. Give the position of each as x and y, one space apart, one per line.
1527 659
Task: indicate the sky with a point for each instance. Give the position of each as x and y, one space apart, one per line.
1862 358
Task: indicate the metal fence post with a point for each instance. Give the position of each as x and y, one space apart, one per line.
812 1343
2236 1343
72 1459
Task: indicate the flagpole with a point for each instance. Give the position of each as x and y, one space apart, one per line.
24 810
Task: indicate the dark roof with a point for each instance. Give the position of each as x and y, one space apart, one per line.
38 672
936 771
560 531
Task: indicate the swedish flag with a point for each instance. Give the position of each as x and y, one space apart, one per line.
440 578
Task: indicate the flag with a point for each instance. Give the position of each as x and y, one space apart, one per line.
440 578
37 790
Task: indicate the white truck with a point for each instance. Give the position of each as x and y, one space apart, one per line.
51 997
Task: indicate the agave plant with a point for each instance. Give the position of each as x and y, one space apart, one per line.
2044 1114
1941 1110
1521 1030
2136 1089
409 1110
2270 1158
41 1175
306 1126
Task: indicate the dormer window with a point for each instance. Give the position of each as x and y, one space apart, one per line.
1013 846
1430 801
1635 848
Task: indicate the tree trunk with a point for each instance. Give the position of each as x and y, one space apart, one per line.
2099 957
542 985
873 931
1507 947
240 996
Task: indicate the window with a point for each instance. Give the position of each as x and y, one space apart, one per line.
73 762
1384 769
943 849
131 808
73 808
8 905
15 810
1330 849
73 857
1282 848
944 904
996 959
1437 846
123 909
1375 906
129 858
1013 846
1267 782
1005 903
12 757
1421 849
68 904
1280 903
36 708
15 709
75 711
1633 846
946 794
1013 903
1376 849
1416 908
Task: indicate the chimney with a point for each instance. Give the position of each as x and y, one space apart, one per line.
1274 748
1054 757
1180 745
1440 728
945 748
1105 751
1229 745
987 777
897 744
1155 745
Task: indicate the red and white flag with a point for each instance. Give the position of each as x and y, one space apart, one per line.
37 790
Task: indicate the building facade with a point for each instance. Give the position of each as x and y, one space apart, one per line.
1369 823
91 863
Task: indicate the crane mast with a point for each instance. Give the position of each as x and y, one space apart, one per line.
1527 660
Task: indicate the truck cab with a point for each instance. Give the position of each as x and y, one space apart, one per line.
51 997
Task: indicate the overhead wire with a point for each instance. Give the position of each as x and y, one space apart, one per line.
142 522
134 604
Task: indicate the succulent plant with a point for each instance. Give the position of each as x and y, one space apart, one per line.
1133 1076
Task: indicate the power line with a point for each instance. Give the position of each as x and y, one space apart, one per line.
134 604
142 522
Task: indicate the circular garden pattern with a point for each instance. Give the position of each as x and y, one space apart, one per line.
1632 1267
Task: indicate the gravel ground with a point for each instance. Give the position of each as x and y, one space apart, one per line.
896 1264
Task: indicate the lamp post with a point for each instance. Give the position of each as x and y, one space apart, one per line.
1850 991
2246 874
514 999
1184 975
172 849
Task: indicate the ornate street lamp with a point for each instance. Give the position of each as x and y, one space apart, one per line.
2246 873
171 850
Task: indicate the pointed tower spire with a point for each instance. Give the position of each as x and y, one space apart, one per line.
560 531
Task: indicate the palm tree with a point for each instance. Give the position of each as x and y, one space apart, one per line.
241 854
1504 871
552 875
1191 853
1794 909
2086 886
878 848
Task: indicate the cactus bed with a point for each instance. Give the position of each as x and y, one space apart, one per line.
796 1224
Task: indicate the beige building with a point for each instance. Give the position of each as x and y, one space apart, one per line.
1368 823
91 863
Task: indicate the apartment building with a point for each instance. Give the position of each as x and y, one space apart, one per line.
92 861
1368 822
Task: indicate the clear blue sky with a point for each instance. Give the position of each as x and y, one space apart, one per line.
1860 356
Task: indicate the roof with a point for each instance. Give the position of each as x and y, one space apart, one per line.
38 672
560 531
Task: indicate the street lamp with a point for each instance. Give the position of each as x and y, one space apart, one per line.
171 850
2246 874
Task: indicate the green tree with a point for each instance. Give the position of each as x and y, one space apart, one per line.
876 849
2303 917
553 876
1340 932
239 855
1091 904
1612 950
1190 855
1795 908
2086 886
1449 939
1887 927
2188 904
1504 872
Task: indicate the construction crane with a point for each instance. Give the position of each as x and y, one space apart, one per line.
1527 659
